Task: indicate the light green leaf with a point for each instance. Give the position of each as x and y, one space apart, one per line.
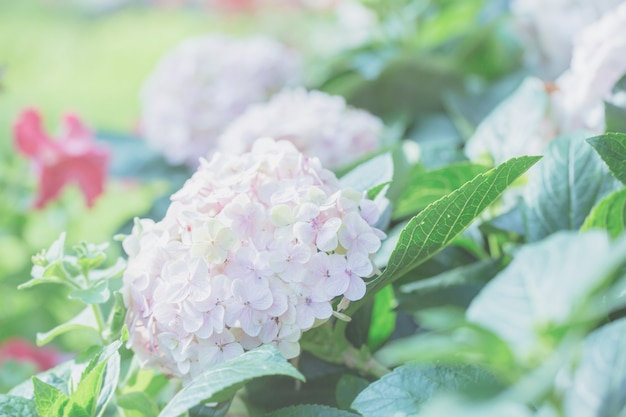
408 387
424 188
514 128
609 214
383 320
139 402
348 387
11 405
566 185
98 293
546 286
88 388
84 320
309 410
441 222
455 406
222 381
50 401
599 382
370 174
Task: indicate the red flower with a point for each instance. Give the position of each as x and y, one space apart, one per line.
21 350
75 157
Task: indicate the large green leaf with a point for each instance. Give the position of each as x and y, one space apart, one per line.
407 388
84 320
455 406
308 410
49 400
88 389
441 222
514 128
567 183
547 286
424 188
222 381
612 149
609 214
600 379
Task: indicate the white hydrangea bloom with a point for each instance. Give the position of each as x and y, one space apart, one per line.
252 250
317 123
551 27
203 84
598 63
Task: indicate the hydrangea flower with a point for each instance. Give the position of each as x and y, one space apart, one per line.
598 63
203 84
74 157
317 123
551 27
253 250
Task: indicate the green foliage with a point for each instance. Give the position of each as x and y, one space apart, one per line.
609 214
612 149
11 405
310 410
564 187
222 381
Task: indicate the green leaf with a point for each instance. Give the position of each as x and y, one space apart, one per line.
222 381
50 401
88 388
612 149
600 379
408 387
615 117
457 287
371 174
139 402
308 410
514 128
348 387
455 406
84 320
567 183
383 320
97 293
424 188
609 214
14 406
547 286
441 222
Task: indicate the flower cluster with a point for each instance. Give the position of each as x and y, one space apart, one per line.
551 27
318 125
74 158
204 84
598 63
252 250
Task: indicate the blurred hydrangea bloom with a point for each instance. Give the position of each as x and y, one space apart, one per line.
20 350
598 63
251 251
203 84
551 27
74 157
318 125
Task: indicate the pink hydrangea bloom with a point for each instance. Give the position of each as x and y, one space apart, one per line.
598 63
21 350
74 157
317 123
203 84
252 250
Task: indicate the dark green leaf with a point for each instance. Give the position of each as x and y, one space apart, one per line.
13 406
547 285
407 388
348 387
599 382
612 149
309 410
457 287
567 183
222 381
609 214
441 222
427 187
383 320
